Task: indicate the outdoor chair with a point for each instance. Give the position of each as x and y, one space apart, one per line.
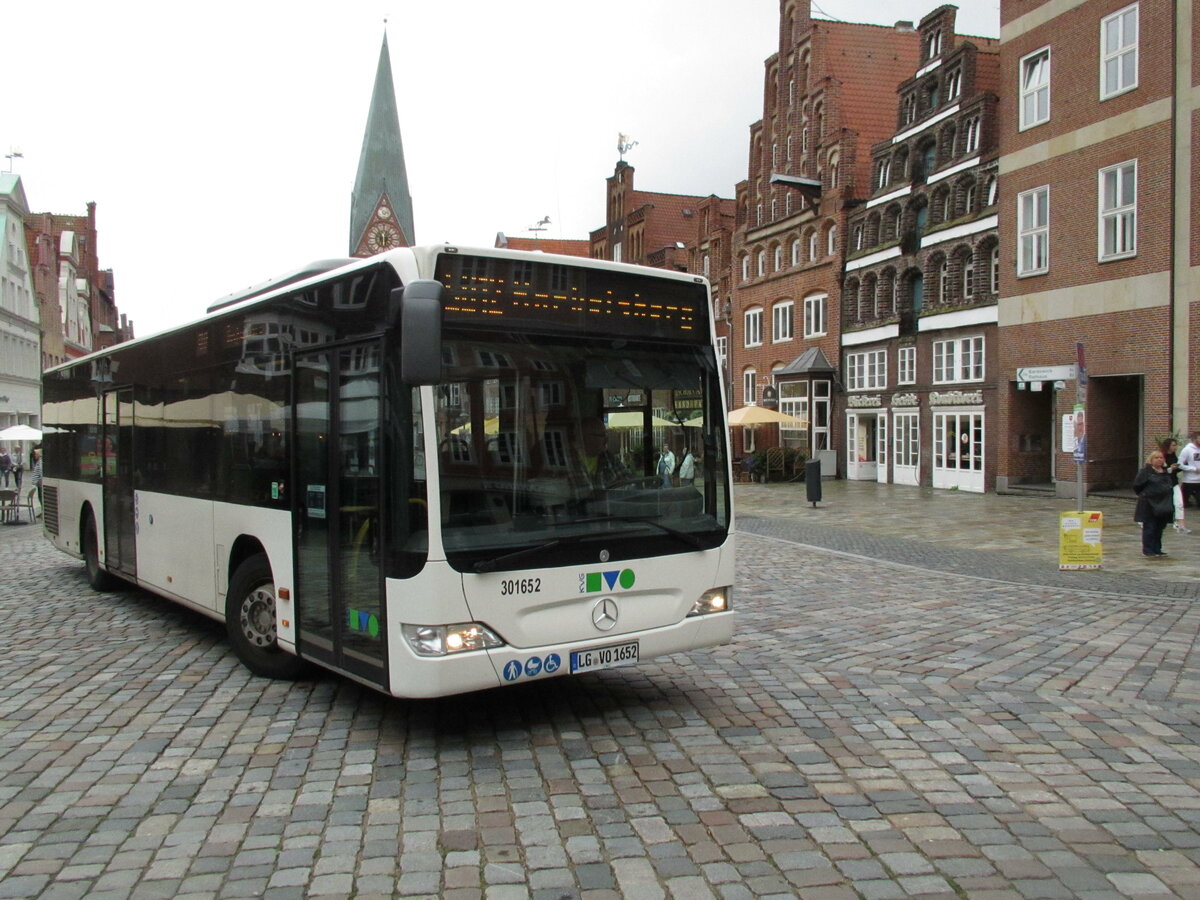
774 463
28 504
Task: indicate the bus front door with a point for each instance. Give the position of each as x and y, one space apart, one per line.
336 509
116 454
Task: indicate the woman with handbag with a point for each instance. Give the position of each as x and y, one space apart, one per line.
1156 505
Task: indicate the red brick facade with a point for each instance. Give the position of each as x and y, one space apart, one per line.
829 96
1111 263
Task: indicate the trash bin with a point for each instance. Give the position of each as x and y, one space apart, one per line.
812 481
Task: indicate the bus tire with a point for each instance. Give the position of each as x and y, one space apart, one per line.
250 621
99 578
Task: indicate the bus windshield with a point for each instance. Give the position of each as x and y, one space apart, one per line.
555 451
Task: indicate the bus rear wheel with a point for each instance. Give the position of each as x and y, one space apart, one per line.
98 577
250 621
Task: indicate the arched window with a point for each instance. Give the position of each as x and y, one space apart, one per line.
858 237
796 259
745 267
812 244
994 259
778 257
991 191
762 262
831 241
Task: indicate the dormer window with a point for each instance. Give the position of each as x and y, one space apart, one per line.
933 44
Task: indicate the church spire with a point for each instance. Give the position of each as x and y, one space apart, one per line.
381 214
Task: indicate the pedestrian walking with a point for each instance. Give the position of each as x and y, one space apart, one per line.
1170 449
35 458
1155 505
666 465
1189 469
687 468
18 466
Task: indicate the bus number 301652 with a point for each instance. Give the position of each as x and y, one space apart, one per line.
512 586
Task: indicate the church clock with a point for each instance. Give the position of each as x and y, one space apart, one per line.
383 236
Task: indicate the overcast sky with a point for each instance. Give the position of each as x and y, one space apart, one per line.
220 140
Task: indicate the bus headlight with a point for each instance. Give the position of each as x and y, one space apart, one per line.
716 600
442 640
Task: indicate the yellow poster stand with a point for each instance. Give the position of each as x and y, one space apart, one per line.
1080 540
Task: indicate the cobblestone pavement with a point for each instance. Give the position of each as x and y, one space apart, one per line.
876 729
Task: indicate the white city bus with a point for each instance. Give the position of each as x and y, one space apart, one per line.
435 470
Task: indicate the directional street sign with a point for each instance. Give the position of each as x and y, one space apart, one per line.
1046 373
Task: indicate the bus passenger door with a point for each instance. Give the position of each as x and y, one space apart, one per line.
116 454
336 509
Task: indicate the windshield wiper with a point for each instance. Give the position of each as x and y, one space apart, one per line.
489 565
686 536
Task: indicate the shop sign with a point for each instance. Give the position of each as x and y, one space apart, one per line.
864 401
956 398
909 399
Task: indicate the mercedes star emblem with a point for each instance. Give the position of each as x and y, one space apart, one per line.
604 614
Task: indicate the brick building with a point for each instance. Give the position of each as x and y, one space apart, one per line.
828 98
76 298
919 355
1098 197
644 227
562 246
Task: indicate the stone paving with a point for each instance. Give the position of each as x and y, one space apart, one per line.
878 728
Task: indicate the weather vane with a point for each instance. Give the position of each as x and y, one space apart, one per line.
624 145
12 154
540 226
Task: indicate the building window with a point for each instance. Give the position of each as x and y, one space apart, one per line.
749 383
762 262
933 46
858 237
1118 210
944 281
705 264
796 251
1119 52
958 360
1033 231
958 441
906 365
745 267
831 241
991 191
972 143
781 321
753 327
722 349
885 173
995 269
812 245
866 370
793 401
953 84
1035 88
778 257
968 290
814 315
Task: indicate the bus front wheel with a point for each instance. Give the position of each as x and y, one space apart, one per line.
98 577
250 621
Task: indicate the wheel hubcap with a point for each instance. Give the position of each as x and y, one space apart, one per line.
258 616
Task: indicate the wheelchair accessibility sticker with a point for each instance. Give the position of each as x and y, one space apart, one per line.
534 666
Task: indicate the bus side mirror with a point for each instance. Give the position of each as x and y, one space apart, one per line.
418 306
